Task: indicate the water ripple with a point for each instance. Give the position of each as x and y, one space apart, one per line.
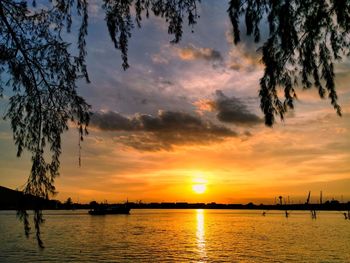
179 236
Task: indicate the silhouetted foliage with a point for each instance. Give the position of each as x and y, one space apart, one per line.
24 217
305 39
38 219
69 201
120 23
39 67
43 74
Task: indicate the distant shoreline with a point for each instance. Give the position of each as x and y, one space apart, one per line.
210 206
16 200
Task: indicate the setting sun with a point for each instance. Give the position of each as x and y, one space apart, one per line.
199 183
199 188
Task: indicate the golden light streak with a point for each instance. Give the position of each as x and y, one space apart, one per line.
200 234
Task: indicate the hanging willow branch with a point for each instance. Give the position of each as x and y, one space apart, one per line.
37 64
305 39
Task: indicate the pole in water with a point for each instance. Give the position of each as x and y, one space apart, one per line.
313 214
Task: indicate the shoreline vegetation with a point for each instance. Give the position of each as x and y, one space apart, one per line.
16 200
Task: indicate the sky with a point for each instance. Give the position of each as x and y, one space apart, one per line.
183 124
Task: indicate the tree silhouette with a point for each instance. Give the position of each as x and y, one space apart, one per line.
68 202
305 39
120 23
37 65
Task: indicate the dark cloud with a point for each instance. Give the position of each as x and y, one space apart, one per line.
232 110
248 133
161 132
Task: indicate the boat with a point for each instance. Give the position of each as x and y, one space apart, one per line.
114 210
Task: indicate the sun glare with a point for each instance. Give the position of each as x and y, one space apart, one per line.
199 188
199 184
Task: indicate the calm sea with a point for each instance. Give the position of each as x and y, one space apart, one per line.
180 236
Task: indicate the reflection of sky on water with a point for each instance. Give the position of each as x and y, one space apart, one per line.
179 236
200 234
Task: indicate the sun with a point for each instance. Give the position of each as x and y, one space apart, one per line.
199 188
199 183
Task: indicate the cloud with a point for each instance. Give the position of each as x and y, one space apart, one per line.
161 132
159 59
230 110
243 58
192 53
245 55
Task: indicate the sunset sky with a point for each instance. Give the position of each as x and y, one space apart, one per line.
183 123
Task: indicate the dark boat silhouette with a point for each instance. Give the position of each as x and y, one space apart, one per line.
114 210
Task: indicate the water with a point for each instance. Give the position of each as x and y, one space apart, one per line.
180 236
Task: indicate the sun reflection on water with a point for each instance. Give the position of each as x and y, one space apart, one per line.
200 234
